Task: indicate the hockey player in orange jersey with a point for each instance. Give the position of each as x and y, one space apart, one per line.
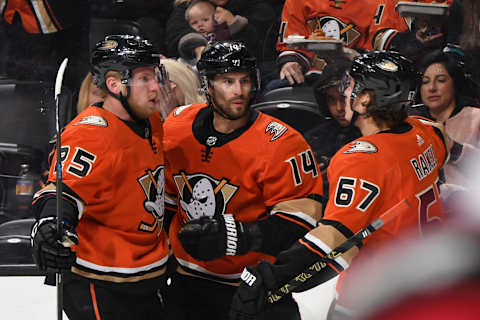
361 24
397 158
247 184
113 193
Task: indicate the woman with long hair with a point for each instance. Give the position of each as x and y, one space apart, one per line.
448 96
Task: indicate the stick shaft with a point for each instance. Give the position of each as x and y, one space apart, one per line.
308 273
58 88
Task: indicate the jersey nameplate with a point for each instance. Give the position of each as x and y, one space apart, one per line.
361 146
93 121
275 129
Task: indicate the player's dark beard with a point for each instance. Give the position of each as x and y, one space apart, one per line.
221 110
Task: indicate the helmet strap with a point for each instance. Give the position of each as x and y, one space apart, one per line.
123 100
356 114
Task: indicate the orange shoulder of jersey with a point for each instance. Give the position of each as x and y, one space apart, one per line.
373 173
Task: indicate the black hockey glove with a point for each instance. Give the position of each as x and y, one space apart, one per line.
209 238
250 300
51 251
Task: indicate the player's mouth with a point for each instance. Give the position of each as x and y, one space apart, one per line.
238 102
154 100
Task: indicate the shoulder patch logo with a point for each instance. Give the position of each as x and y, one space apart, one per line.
180 110
93 121
361 146
420 140
276 129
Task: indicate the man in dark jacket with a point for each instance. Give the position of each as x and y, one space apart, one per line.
335 132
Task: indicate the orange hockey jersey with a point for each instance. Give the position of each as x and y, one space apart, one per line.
373 173
244 173
115 178
361 24
44 16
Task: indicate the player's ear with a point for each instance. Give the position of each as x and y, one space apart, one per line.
365 100
114 84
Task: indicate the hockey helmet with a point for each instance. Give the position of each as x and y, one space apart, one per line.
225 57
388 74
122 53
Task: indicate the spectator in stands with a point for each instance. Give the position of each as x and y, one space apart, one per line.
184 87
362 25
446 93
89 93
335 132
38 40
200 15
464 30
246 21
428 32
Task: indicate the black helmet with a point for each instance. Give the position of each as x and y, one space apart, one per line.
121 53
227 56
389 74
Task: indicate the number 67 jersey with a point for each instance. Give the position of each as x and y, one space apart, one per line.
373 173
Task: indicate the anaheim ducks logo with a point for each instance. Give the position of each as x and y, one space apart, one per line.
361 146
93 121
153 183
275 129
335 28
388 65
108 45
202 195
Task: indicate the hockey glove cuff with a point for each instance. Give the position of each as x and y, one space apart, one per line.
210 238
250 299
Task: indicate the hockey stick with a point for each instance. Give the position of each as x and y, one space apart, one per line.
58 90
308 273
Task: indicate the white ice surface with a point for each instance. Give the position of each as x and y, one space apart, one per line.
27 298
23 297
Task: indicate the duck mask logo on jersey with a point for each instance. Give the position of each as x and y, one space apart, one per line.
335 28
153 185
202 195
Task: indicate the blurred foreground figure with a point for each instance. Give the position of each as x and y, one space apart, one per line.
437 277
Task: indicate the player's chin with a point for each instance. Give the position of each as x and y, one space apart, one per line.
148 110
239 109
